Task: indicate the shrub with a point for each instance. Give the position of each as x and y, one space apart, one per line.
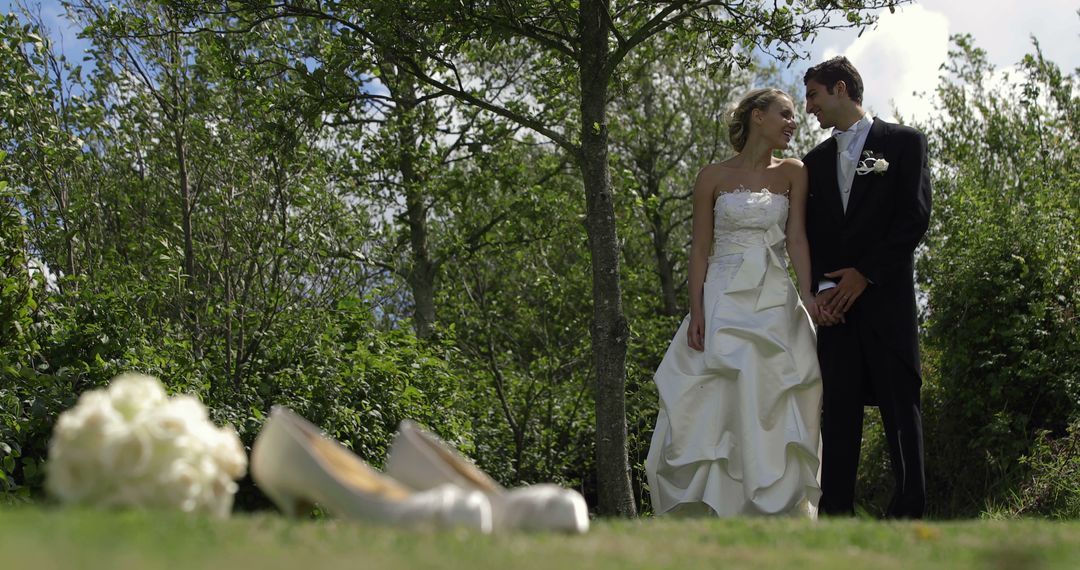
1002 341
1052 487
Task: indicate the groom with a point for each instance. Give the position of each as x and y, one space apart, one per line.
868 207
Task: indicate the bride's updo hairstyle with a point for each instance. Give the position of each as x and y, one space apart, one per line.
739 123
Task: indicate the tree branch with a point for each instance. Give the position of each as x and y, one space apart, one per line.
471 99
561 43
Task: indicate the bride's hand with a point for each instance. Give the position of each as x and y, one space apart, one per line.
826 317
695 335
812 308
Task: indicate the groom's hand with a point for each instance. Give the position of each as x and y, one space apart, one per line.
825 316
850 284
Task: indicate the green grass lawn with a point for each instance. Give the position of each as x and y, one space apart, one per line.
39 538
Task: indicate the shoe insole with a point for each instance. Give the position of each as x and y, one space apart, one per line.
461 465
350 470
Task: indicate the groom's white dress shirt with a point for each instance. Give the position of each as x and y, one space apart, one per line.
849 146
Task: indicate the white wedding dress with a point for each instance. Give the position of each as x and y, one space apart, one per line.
738 428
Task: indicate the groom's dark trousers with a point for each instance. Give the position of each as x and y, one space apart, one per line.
873 357
860 368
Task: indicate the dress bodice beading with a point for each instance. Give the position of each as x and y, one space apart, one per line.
742 215
750 224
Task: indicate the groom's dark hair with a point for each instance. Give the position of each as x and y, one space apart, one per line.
839 68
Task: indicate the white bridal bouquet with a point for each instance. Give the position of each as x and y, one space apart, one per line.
130 445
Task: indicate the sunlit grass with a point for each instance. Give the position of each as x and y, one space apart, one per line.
35 537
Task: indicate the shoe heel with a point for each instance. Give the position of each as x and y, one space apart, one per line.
290 505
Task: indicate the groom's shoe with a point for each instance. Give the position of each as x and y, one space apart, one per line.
295 465
906 507
829 508
422 461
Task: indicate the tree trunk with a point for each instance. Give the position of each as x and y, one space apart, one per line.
421 275
646 161
650 194
186 205
227 281
609 330
178 115
664 264
69 235
184 187
516 428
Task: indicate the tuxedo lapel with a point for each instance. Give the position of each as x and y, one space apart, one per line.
861 184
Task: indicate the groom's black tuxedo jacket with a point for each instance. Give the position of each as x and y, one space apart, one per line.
886 217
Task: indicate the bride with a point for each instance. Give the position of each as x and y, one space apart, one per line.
740 389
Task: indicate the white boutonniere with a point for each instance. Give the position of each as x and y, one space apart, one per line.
872 162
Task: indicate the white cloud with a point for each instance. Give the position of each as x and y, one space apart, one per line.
904 51
898 71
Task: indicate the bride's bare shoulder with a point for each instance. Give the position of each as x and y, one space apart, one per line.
789 164
728 163
792 168
711 173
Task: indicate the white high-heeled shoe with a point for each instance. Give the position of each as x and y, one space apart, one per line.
297 466
423 461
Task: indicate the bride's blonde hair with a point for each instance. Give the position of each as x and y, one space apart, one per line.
739 122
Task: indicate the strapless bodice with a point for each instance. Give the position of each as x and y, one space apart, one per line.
742 216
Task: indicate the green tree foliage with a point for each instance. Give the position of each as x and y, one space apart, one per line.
1002 273
667 122
36 138
204 234
16 301
519 310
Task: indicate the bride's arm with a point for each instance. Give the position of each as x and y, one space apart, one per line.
798 247
700 245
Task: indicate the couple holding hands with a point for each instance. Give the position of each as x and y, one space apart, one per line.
763 388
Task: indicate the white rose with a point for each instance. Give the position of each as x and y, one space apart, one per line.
132 393
228 452
186 484
176 418
83 431
220 495
128 455
69 481
881 165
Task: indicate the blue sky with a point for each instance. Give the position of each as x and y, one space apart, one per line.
63 32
